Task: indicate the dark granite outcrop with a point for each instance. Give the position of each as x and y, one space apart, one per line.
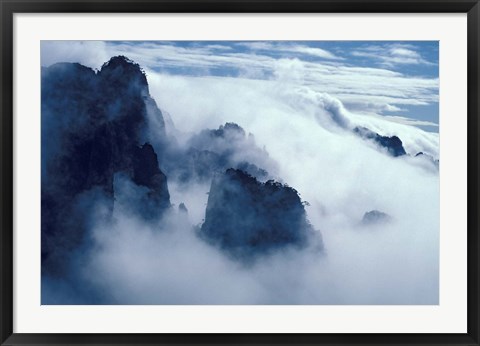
393 144
247 218
92 128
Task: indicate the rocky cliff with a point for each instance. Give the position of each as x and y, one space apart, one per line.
93 126
247 218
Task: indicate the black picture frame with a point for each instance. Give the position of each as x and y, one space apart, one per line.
9 8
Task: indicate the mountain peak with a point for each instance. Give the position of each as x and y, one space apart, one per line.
247 218
120 68
393 144
120 60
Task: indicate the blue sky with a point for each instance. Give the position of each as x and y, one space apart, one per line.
395 79
411 58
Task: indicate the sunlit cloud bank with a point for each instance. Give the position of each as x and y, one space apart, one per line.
299 112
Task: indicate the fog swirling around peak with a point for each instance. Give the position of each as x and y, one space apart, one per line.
100 163
341 175
248 218
212 151
126 160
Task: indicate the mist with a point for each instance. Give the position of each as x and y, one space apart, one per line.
337 173
302 138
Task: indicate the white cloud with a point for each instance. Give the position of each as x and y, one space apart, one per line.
409 121
361 89
257 45
218 46
255 101
88 53
290 71
289 48
298 117
392 54
339 174
399 51
318 52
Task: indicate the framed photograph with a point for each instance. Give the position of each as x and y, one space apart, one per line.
214 172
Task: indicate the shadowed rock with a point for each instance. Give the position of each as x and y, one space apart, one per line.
248 218
182 208
92 128
392 144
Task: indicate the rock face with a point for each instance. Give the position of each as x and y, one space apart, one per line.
92 128
247 218
392 144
